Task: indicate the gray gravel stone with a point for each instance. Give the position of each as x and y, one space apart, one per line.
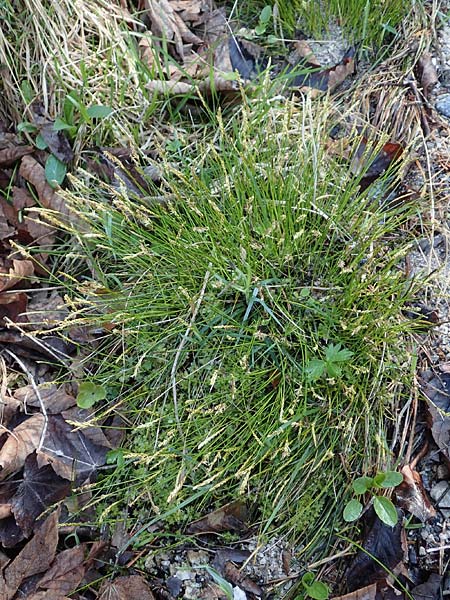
443 105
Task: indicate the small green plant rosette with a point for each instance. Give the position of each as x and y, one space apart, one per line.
361 485
385 510
315 589
352 510
89 394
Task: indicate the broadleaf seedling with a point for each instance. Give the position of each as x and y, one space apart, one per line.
384 507
264 19
331 364
89 394
313 588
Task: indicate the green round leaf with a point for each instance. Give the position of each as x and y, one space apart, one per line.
378 479
55 171
98 111
308 579
352 510
40 142
89 393
385 510
318 591
392 479
265 15
362 484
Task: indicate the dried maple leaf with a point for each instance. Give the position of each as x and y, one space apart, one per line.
39 489
22 441
34 558
69 568
12 272
72 455
66 572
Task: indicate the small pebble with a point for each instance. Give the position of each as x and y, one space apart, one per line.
443 105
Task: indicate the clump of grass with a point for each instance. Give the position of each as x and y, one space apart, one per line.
363 21
88 48
267 262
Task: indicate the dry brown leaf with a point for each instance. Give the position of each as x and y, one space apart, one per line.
133 587
10 275
48 596
5 510
8 156
230 517
428 73
34 558
22 198
55 398
34 173
302 50
366 593
237 577
66 572
5 229
166 24
411 495
13 306
22 441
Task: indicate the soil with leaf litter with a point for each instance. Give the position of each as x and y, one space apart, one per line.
49 448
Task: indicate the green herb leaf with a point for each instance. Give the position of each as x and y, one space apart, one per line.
333 370
260 29
40 142
60 125
265 15
392 479
27 127
352 510
55 171
98 111
335 353
378 479
318 591
89 393
361 485
314 369
308 579
385 510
